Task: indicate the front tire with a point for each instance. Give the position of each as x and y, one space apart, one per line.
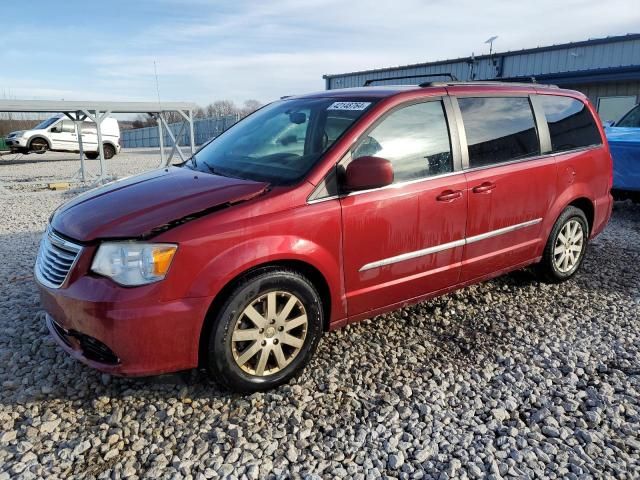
38 145
266 331
566 247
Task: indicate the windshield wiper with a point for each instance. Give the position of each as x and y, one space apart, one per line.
216 172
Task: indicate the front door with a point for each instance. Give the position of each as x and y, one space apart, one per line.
63 136
510 186
405 240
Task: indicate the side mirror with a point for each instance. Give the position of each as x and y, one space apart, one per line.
609 123
56 128
368 172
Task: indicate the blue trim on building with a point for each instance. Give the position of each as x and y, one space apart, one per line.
584 76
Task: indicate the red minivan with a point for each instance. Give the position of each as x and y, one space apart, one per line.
316 211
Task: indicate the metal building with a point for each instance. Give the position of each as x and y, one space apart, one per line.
605 69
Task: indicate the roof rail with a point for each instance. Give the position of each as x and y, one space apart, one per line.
369 81
487 82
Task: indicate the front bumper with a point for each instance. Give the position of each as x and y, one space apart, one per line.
121 331
16 142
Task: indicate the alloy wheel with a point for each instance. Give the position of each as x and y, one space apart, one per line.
269 333
569 246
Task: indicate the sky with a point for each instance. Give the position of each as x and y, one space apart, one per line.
242 49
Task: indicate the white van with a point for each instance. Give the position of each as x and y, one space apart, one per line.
58 134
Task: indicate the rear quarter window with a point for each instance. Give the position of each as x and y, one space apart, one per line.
570 123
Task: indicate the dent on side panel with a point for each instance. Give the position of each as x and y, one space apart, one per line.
308 233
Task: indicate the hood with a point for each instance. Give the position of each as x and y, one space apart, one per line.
142 205
623 135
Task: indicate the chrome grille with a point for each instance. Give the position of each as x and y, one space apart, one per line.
56 258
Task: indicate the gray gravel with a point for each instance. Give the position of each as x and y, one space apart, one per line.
507 379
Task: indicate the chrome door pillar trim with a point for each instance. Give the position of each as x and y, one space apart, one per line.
544 137
461 133
446 246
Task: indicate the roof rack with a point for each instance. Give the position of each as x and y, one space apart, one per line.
487 82
371 80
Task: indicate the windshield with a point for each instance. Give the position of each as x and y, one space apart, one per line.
280 142
631 119
46 123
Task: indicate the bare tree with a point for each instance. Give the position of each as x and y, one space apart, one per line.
221 108
142 121
249 107
217 109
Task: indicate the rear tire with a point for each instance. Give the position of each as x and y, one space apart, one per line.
265 332
566 247
109 151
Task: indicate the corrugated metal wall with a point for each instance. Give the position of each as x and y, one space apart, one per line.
612 89
614 52
203 129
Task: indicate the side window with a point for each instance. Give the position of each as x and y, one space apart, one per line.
415 139
498 129
570 123
67 126
631 119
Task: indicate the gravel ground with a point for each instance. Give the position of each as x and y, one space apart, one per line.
507 379
18 172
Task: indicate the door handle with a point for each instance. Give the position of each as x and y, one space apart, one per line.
449 195
485 187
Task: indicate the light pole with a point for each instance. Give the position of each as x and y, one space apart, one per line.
490 42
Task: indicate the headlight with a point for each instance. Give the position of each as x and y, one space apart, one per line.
131 263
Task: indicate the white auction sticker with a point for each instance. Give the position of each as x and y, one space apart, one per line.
348 105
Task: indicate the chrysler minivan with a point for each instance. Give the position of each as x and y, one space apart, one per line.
316 211
59 133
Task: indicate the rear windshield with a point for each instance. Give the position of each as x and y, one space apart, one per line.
281 142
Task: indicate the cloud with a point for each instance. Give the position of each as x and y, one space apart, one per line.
255 49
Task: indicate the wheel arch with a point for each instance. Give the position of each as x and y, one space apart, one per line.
39 137
309 271
579 196
588 207
111 144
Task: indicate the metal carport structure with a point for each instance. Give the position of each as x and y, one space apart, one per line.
78 111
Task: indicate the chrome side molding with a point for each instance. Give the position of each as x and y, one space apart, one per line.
446 246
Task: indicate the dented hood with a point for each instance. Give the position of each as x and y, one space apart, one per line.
140 205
